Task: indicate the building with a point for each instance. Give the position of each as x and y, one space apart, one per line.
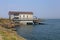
21 17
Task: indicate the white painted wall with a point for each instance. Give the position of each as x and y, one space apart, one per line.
11 16
30 16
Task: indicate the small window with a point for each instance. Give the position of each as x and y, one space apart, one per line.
23 15
20 16
27 16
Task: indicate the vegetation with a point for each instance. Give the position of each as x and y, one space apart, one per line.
6 23
5 31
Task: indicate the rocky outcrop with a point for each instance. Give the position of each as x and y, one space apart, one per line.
7 23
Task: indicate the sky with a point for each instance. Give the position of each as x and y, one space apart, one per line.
47 9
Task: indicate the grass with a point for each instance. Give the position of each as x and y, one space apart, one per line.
8 34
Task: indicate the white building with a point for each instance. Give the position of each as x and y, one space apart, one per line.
21 17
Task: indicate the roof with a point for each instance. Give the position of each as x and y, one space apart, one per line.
15 12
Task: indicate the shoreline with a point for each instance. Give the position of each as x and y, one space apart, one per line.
7 31
8 34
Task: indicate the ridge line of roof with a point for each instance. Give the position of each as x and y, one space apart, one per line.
16 12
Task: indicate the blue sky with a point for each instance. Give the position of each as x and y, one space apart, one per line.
41 8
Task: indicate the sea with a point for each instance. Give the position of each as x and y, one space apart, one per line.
50 30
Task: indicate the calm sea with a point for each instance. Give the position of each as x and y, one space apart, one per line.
49 31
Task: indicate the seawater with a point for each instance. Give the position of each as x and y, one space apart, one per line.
49 31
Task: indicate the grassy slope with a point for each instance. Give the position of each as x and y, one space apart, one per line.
8 34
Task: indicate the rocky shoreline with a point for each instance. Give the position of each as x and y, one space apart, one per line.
7 32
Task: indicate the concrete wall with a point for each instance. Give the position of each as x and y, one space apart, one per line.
25 22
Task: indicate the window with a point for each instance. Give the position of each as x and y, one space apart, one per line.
23 15
27 16
20 16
